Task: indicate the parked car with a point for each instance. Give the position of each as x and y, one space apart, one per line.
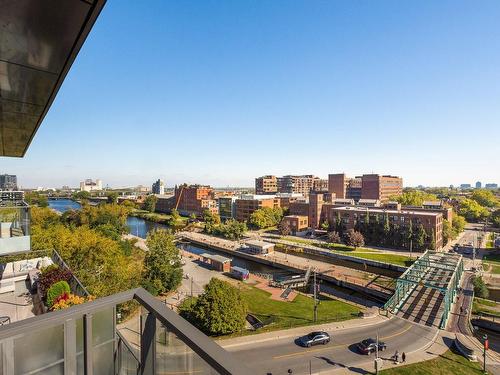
314 338
369 346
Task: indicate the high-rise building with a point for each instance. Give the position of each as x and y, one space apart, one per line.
491 186
478 185
374 186
465 186
90 185
266 185
8 182
227 208
303 184
158 187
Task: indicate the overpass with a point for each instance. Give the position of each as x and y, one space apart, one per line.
425 292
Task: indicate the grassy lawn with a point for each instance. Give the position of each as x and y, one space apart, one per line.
399 260
360 252
484 306
449 363
299 312
494 261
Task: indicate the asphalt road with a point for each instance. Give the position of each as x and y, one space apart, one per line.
278 356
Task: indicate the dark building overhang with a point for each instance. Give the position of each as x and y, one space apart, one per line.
39 41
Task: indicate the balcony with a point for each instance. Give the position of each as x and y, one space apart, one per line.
83 339
14 227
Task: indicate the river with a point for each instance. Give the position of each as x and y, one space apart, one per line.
137 226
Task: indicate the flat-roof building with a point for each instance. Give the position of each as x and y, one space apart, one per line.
246 204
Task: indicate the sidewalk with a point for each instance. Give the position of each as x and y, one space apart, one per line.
431 350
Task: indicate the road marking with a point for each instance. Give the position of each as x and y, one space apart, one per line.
410 326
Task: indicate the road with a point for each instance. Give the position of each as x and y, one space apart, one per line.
279 355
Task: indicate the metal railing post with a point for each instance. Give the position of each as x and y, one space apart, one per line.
87 345
148 344
70 347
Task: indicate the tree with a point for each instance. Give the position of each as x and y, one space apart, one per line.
231 229
162 266
495 218
211 220
420 237
112 197
414 198
220 310
325 225
334 237
458 224
284 228
485 198
471 210
266 217
81 195
448 232
35 198
480 289
150 203
354 238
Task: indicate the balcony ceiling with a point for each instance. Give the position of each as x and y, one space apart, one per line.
39 40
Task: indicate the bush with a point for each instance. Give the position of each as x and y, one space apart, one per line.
51 275
56 290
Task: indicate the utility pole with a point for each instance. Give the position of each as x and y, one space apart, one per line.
485 337
191 286
315 299
376 356
411 245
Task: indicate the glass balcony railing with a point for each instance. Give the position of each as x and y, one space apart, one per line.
14 227
83 339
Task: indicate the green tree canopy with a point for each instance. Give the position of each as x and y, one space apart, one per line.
220 310
266 217
485 198
162 266
414 197
81 195
35 198
472 210
150 203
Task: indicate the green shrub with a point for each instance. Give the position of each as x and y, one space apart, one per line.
56 290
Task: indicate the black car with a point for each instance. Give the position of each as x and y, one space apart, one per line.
369 346
314 338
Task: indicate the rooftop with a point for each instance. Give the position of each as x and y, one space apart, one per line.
258 243
216 257
383 211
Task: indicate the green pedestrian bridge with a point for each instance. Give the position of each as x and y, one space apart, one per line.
425 292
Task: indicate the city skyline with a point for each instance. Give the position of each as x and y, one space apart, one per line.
356 88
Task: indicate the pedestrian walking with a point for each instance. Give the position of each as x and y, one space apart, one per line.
395 357
403 357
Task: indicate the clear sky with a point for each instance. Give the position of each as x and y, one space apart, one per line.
220 92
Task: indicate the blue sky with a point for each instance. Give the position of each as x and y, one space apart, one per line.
220 92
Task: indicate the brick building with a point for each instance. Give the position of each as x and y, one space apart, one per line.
296 223
431 221
245 205
368 186
379 187
266 185
194 199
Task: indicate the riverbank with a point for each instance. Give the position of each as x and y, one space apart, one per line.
159 218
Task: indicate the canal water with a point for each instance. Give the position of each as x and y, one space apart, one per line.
253 267
137 226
